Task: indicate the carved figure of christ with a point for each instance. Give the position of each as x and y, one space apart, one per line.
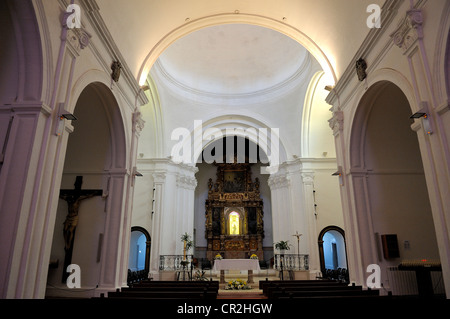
73 197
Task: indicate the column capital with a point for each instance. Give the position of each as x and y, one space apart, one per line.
138 122
308 178
409 30
337 122
278 181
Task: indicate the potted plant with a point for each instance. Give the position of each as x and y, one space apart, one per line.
282 245
186 239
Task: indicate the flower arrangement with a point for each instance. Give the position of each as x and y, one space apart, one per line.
253 256
237 284
218 256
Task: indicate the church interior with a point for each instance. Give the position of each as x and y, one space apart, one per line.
150 148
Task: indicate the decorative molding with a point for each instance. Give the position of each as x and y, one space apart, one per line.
388 13
78 39
443 108
308 178
138 122
293 82
337 122
91 12
187 182
159 177
278 181
409 30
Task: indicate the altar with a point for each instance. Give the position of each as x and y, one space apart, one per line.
236 264
234 226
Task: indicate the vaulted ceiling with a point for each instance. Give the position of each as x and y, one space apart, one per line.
234 59
244 60
143 29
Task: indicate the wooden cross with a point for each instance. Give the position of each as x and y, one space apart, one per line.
73 197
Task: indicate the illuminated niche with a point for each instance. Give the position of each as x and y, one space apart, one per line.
233 223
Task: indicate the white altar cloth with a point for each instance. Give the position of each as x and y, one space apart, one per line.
236 264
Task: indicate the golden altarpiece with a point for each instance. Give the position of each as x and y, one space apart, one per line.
234 213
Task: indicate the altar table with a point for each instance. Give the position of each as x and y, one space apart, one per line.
236 264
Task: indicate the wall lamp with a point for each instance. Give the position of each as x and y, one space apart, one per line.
68 116
136 173
63 115
339 173
418 115
422 114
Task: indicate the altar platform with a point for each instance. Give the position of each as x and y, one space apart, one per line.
248 265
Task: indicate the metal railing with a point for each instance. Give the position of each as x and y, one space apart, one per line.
291 262
175 262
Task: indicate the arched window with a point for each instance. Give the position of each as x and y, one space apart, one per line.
233 223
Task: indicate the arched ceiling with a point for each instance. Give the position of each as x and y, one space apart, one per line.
234 59
143 28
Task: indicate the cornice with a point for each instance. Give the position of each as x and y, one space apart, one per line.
388 13
296 80
91 12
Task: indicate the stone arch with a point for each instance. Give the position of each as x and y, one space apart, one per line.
218 19
386 178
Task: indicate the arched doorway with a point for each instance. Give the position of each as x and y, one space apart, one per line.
90 201
139 257
332 253
388 182
237 222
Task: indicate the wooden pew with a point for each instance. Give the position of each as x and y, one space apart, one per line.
168 290
288 288
171 288
264 285
162 295
160 283
346 293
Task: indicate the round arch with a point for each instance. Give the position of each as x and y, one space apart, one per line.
22 78
386 177
144 232
218 19
96 157
340 243
244 126
98 81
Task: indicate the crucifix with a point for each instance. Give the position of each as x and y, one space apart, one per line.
73 197
298 241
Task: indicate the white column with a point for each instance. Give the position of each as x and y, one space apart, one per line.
31 176
311 235
434 147
173 213
281 213
158 195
